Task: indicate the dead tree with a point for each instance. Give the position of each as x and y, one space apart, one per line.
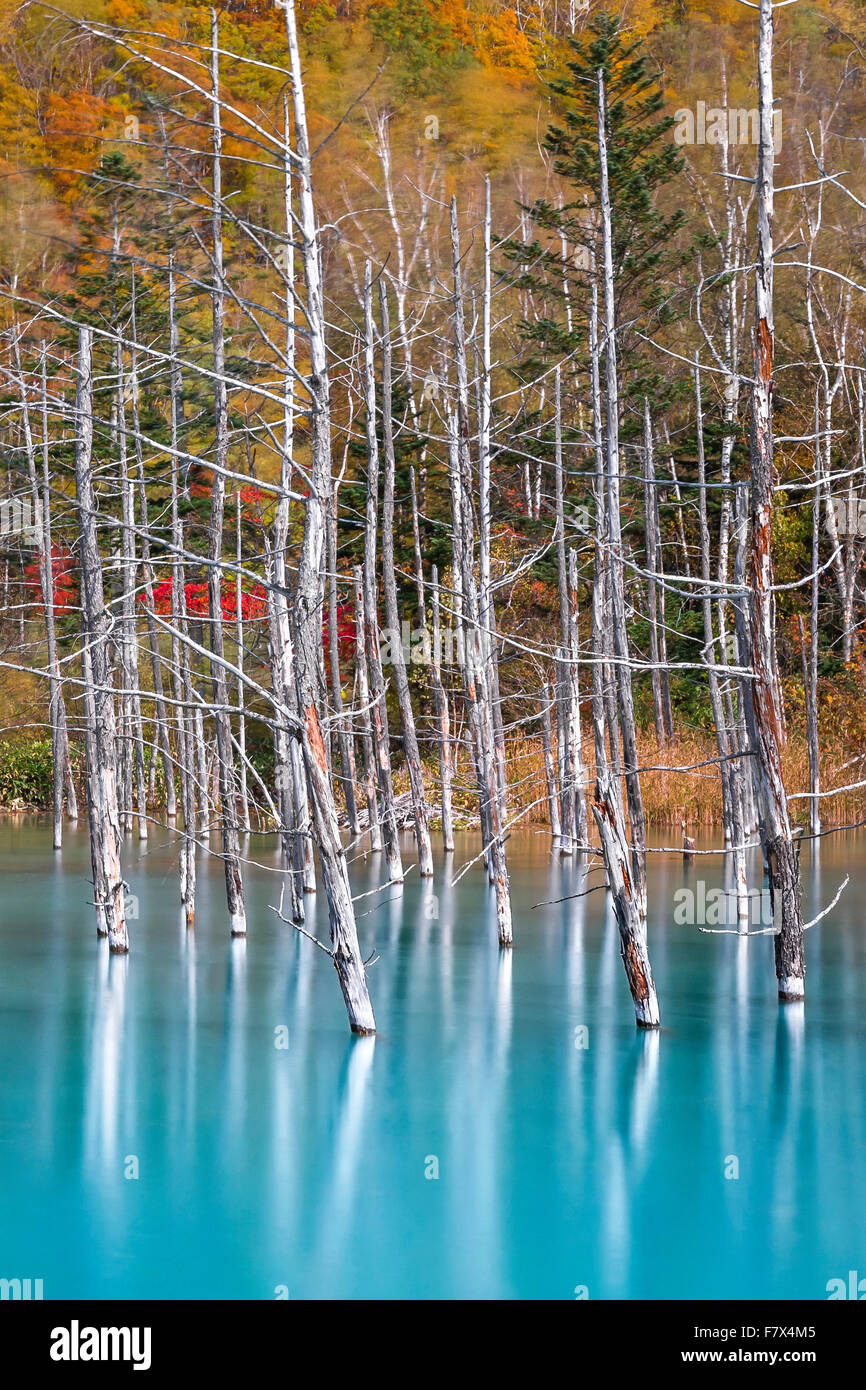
581 828
614 532
181 660
378 705
161 737
567 778
732 809
809 652
363 690
239 684
221 716
547 701
653 566
627 906
104 820
132 748
477 693
345 949
392 615
781 853
344 732
42 532
440 699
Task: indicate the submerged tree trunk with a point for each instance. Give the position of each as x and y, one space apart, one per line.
181 659
392 616
614 533
782 855
567 779
581 827
222 719
344 732
346 952
363 684
440 700
105 834
627 906
547 702
378 705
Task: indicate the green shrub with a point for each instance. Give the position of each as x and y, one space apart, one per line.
25 772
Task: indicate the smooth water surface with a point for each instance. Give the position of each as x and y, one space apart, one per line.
608 1166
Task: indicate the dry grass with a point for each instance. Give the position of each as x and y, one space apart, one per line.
695 794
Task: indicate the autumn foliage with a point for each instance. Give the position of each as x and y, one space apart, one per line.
253 603
64 588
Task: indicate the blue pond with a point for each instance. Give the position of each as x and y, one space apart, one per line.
507 1134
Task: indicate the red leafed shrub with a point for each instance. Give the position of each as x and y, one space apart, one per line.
345 631
252 500
63 584
253 602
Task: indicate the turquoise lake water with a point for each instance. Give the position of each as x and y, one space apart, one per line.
304 1169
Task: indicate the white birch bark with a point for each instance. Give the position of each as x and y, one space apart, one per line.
105 832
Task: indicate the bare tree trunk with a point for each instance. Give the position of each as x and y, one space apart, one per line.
42 531
416 540
222 719
105 834
133 751
201 750
605 715
652 564
291 782
630 920
479 709
161 736
392 616
488 610
308 623
565 767
620 634
239 642
91 783
375 826
599 578
475 648
782 854
745 730
442 721
461 621
810 681
344 734
550 766
563 660
581 827
378 705
181 660
732 814
188 778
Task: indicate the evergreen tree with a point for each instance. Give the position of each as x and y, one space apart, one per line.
640 163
